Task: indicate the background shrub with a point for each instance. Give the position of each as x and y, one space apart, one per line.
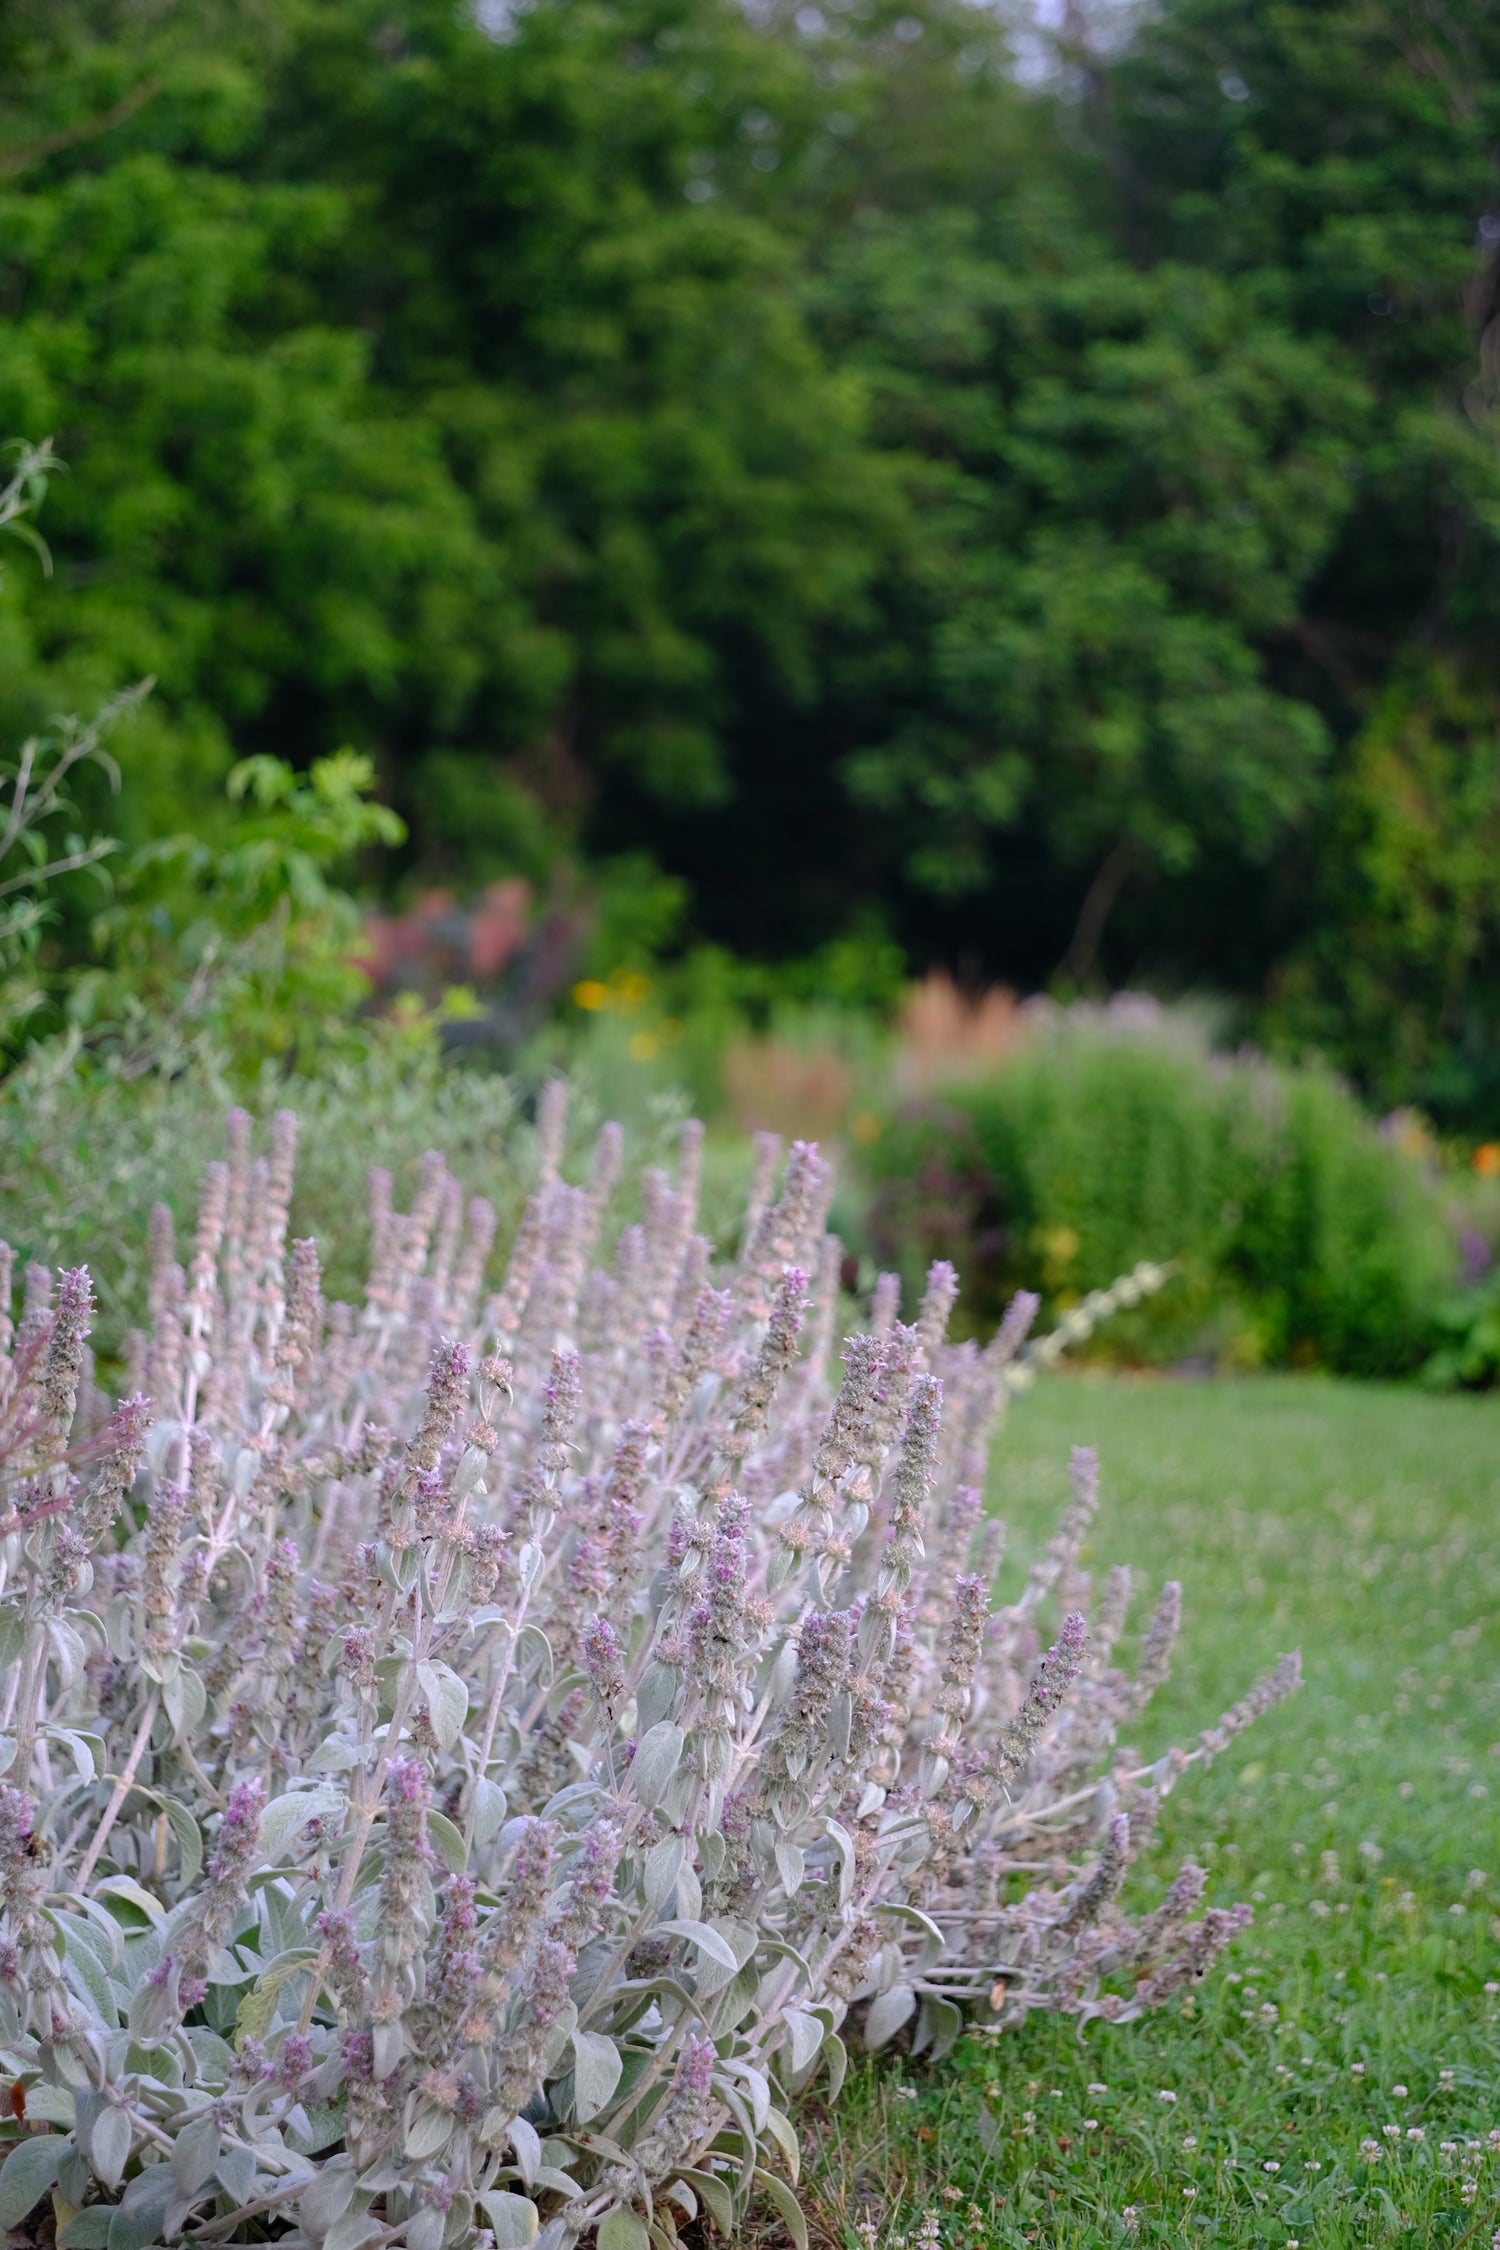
1299 1234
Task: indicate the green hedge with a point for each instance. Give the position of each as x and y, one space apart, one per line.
1300 1236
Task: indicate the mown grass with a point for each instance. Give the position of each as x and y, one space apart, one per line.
1362 1524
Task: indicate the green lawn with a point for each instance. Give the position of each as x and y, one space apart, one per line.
1361 1524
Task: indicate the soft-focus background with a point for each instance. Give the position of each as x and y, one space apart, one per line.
921 574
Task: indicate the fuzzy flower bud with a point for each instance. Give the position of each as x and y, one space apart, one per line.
604 1661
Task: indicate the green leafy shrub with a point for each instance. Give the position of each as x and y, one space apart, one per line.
1296 1232
1468 1350
473 1758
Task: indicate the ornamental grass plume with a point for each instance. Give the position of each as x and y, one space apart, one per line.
473 1757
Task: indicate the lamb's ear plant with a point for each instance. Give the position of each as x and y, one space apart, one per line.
472 1758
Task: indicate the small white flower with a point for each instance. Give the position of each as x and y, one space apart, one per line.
1165 2094
1270 2165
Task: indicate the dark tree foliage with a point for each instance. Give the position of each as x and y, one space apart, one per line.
1055 522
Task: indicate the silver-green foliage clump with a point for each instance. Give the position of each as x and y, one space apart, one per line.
467 1755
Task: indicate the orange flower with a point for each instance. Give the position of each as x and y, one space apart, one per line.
1487 1159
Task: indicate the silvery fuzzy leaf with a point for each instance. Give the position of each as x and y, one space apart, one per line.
512 2218
874 1633
235 2171
74 2179
429 2131
678 2192
689 1894
154 2007
709 1940
489 1809
938 2026
597 2064
656 1694
510 1834
29 2170
529 1561
662 1863
780 1567
783 1674
195 2154
558 2037
185 1700
678 1796
560 2183
352 2232
932 1772
88 2229
871 1800
389 2045
739 1999
53 2105
562 1687
889 2010
856 1516
336 1755
109 2146
805 2036
914 1915
385 2173
323 2120
447 1842
624 2229
657 1756
285 1818
527 2143
888 1967
840 1720
12 1633
843 1844
138 2217
791 1866
756 2086
838 2064
787 2204
468 1477
426 2228
257 2011
87 1751
712 1851
716 2193
85 1974
160 1439
68 1648
447 1700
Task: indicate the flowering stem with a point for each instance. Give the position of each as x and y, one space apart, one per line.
124 1783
